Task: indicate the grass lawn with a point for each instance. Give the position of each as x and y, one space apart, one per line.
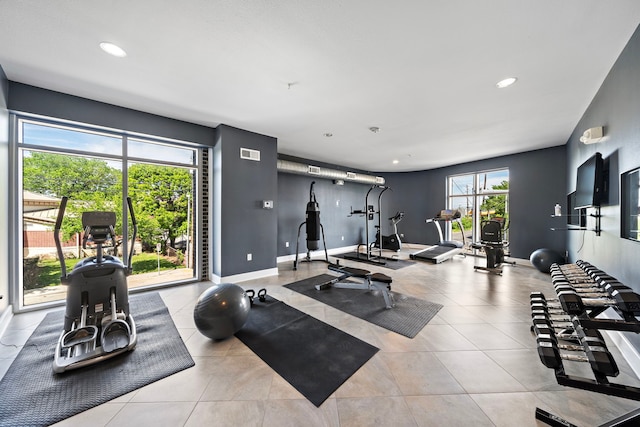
49 270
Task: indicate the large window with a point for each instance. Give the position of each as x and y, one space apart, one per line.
97 169
478 196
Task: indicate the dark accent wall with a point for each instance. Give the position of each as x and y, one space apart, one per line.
4 191
536 184
35 100
616 106
335 202
240 223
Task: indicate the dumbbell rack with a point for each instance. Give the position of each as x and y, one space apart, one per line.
584 292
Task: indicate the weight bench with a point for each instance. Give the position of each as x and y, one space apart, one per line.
370 281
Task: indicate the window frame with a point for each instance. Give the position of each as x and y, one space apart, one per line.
16 148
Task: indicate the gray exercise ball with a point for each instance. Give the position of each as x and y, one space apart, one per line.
543 258
221 311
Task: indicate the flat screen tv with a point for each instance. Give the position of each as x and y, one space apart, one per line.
590 183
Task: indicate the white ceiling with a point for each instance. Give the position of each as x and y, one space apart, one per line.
423 71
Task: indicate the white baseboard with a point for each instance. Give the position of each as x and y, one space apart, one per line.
317 254
244 276
5 318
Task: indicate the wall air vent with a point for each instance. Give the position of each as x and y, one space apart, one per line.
249 154
314 170
351 175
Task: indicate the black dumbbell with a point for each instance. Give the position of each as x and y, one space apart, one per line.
553 317
552 302
551 309
584 292
602 288
545 322
625 300
545 328
542 300
567 347
589 336
602 279
599 358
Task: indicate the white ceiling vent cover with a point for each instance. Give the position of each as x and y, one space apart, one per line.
314 170
249 154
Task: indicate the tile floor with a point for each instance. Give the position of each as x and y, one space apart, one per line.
475 363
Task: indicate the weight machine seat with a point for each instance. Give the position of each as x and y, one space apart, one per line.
361 273
370 281
379 277
351 271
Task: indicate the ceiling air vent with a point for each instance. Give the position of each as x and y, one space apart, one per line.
249 154
314 170
351 175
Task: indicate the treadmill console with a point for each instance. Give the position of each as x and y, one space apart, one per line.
448 214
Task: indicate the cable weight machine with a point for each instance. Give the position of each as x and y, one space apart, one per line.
369 213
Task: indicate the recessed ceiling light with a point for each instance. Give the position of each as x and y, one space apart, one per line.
328 134
112 49
506 82
395 162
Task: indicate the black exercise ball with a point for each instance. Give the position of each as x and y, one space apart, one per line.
221 311
543 258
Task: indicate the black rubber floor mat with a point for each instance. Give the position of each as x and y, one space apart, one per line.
312 356
32 395
407 318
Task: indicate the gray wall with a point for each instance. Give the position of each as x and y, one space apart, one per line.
616 106
536 184
240 224
4 192
30 99
335 202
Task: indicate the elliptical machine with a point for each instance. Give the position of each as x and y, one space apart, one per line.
391 242
313 228
493 243
97 323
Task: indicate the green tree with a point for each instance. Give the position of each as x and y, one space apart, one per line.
497 203
58 175
160 194
90 184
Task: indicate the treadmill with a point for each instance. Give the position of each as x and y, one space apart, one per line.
445 249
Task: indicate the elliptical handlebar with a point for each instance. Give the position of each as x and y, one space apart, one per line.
133 238
56 236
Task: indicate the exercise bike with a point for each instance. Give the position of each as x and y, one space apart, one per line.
97 322
391 242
